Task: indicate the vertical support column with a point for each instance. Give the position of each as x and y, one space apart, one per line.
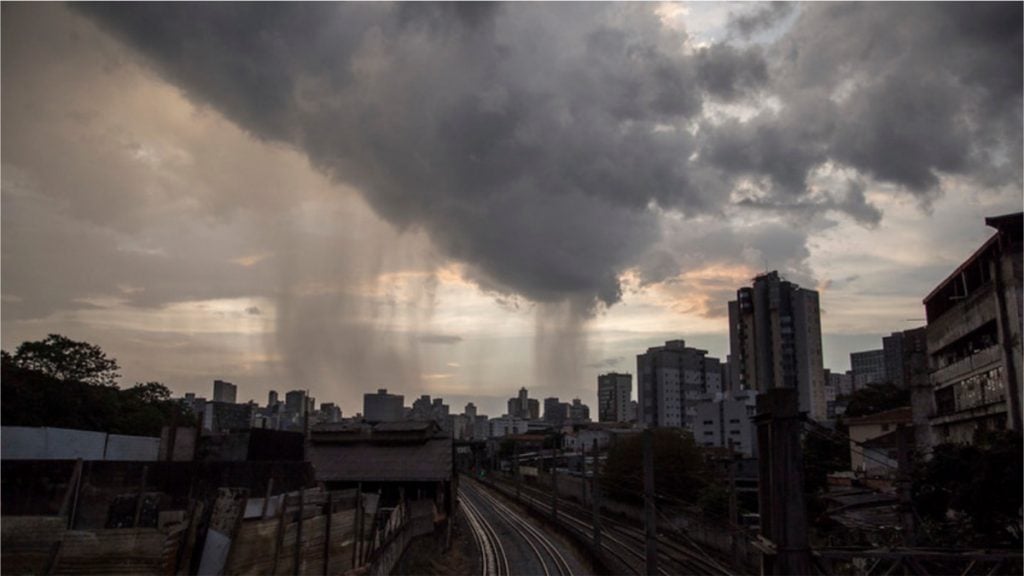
297 564
357 529
142 495
554 485
594 498
1009 357
650 513
519 476
779 425
327 532
904 484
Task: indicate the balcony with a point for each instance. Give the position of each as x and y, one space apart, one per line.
959 370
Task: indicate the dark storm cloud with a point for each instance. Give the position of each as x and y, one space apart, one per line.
531 141
507 133
728 72
762 18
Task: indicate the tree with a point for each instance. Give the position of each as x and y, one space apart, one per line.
971 494
875 398
679 468
67 360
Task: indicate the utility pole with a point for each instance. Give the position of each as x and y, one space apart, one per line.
904 483
554 485
781 489
650 514
594 486
519 477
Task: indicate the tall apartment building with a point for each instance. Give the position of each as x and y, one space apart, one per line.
671 380
775 341
555 411
868 367
383 407
522 406
974 330
614 391
224 391
579 412
726 422
295 402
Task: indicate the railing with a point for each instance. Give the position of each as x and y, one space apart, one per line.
961 368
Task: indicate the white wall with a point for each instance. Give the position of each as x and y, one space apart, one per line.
23 443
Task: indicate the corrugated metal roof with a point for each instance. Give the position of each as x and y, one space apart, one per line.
378 462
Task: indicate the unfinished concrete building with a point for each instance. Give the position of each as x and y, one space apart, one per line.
974 339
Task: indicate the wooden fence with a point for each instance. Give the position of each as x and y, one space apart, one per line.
306 532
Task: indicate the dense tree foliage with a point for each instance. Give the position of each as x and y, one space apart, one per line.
65 359
679 468
876 398
47 393
971 494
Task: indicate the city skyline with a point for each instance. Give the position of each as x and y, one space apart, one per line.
202 224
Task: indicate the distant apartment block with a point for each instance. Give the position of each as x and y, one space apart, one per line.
671 380
383 407
522 406
868 367
556 412
579 412
775 341
295 402
224 391
974 339
614 391
725 422
330 412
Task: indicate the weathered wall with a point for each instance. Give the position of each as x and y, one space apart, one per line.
24 443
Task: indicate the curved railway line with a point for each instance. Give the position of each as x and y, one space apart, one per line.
495 558
624 541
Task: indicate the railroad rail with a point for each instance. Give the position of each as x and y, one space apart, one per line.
622 540
495 559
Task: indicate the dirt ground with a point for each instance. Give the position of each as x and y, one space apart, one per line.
426 556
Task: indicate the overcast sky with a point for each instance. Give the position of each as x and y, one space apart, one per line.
464 199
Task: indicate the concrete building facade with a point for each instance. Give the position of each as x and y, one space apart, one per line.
614 392
775 341
974 339
224 391
725 422
383 407
868 367
671 380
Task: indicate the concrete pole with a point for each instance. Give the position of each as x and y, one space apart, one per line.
650 513
594 498
787 528
904 483
519 477
554 485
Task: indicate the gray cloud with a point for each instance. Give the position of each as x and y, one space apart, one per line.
762 18
439 338
727 72
510 132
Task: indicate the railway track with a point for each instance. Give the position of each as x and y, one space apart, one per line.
495 558
494 561
624 541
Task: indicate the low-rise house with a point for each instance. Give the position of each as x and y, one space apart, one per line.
873 442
